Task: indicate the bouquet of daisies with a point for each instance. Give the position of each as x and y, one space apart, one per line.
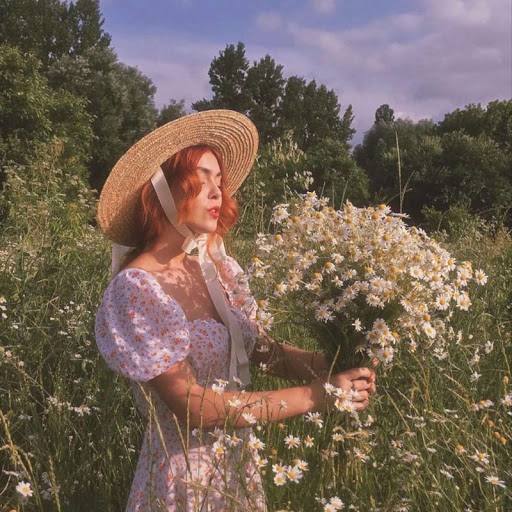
373 283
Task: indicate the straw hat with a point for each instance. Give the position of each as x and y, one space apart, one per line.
232 134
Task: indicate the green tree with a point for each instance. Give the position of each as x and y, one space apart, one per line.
313 113
174 110
264 86
32 114
384 114
227 73
51 29
335 173
378 156
119 98
494 121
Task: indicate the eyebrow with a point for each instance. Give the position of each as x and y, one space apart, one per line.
209 171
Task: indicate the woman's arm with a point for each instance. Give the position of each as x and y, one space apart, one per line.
289 362
198 406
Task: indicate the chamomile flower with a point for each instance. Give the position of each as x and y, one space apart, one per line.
279 479
480 277
292 442
494 480
24 490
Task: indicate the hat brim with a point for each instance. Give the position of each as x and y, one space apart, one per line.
232 134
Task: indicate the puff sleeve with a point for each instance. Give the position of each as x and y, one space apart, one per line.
140 331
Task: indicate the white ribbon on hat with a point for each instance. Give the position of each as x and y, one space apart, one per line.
238 363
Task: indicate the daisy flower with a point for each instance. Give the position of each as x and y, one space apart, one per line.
480 277
23 488
280 479
494 480
291 441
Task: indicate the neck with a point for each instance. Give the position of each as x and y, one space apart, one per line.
166 250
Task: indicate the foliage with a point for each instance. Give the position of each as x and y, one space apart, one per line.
174 110
264 86
335 173
52 29
31 113
227 74
119 98
462 161
276 105
68 426
384 114
495 121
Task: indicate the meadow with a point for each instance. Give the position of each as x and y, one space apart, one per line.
437 436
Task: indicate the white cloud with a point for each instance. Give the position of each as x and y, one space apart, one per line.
426 64
423 63
177 65
324 6
269 21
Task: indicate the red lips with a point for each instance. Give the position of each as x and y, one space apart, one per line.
214 212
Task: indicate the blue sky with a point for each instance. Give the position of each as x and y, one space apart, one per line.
423 57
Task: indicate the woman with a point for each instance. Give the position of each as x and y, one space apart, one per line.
183 326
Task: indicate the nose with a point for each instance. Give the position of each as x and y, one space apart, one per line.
214 192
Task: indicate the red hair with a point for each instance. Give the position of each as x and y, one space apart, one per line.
180 172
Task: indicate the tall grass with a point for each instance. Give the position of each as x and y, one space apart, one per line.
68 425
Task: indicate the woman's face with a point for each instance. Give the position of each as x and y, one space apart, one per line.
205 207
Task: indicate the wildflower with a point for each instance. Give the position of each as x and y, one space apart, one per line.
294 474
475 376
459 449
336 503
280 289
301 464
385 355
337 437
263 367
218 389
323 314
255 443
233 440
329 388
314 417
360 455
260 463
309 441
280 479
447 474
249 418
494 480
280 213
278 468
234 402
488 347
480 457
480 277
507 400
357 325
291 441
23 488
218 448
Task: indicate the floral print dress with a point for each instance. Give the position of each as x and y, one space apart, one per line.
142 332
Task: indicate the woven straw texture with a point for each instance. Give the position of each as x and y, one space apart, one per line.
230 133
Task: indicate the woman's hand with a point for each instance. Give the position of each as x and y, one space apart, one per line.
361 380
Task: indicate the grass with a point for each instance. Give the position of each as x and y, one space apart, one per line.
68 425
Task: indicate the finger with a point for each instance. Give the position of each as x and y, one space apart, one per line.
361 373
361 384
359 406
360 396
